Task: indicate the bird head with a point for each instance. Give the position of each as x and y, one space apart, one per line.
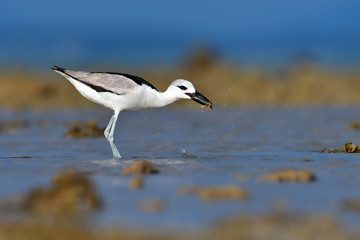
184 89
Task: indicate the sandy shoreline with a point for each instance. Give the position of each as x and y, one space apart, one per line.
223 84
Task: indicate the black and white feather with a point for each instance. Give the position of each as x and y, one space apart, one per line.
117 83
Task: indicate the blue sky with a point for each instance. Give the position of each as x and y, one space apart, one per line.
89 28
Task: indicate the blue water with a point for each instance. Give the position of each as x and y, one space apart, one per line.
226 141
267 33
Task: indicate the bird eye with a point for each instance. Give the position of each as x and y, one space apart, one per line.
182 87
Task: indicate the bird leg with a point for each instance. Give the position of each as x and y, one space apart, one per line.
107 129
109 134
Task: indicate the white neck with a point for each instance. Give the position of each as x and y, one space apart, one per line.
163 98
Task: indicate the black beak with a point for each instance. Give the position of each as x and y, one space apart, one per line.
199 98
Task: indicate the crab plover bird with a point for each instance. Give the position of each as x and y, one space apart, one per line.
125 92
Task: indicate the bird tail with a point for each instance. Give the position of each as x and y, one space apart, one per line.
57 68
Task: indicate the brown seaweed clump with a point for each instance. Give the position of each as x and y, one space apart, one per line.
70 193
347 148
216 193
87 129
289 175
140 167
351 148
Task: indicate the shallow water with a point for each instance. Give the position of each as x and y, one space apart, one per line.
246 141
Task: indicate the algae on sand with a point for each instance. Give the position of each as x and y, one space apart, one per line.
347 148
140 167
87 129
289 175
70 193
